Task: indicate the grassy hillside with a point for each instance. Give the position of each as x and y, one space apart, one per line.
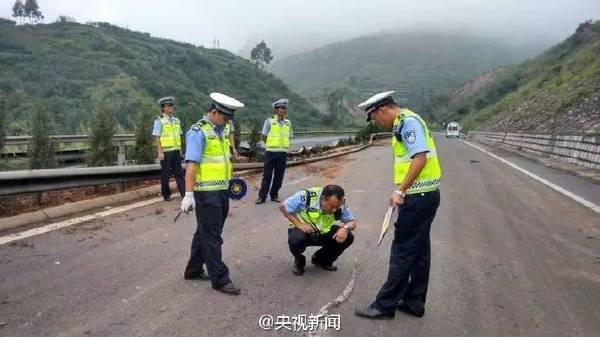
557 91
417 65
73 67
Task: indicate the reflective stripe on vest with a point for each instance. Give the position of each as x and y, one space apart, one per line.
430 177
278 139
170 134
313 215
214 169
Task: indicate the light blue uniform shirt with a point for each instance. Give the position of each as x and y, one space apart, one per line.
267 127
157 129
297 203
194 140
413 136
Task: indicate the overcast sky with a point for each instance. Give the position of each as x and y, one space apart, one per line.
238 23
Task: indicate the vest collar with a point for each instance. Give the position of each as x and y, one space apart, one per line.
277 119
318 200
218 129
170 119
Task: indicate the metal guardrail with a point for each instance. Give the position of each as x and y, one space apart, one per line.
130 137
18 145
576 149
32 181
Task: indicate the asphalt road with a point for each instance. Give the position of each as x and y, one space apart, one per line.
510 257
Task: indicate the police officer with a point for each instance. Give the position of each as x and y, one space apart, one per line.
312 214
167 132
417 174
206 184
276 133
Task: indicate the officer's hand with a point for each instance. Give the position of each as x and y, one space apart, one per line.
188 203
306 228
161 156
396 200
234 154
340 235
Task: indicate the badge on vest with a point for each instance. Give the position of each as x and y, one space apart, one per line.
410 137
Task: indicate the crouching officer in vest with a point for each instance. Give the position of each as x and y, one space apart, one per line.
206 184
417 174
312 213
167 132
276 134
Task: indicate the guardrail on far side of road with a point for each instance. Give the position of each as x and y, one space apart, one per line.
33 181
576 149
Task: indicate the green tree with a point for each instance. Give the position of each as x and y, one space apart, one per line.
335 107
261 55
32 11
102 131
364 134
18 10
2 121
237 134
144 151
42 149
253 141
65 19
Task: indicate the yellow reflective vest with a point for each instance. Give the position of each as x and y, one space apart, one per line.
170 134
278 139
214 169
430 177
314 215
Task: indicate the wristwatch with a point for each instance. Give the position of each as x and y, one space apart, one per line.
400 193
347 228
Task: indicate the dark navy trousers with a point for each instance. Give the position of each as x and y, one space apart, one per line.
211 211
330 249
274 169
410 256
171 163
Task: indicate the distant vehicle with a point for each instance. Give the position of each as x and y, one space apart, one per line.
452 130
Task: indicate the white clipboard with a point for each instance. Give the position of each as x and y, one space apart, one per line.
387 219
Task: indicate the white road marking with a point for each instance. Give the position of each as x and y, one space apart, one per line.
70 222
571 195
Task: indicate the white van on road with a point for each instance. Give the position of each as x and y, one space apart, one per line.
452 130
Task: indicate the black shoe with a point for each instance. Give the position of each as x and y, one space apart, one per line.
373 313
259 201
323 266
229 289
299 263
195 275
167 198
275 199
413 310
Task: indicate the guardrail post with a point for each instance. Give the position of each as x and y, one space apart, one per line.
121 156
